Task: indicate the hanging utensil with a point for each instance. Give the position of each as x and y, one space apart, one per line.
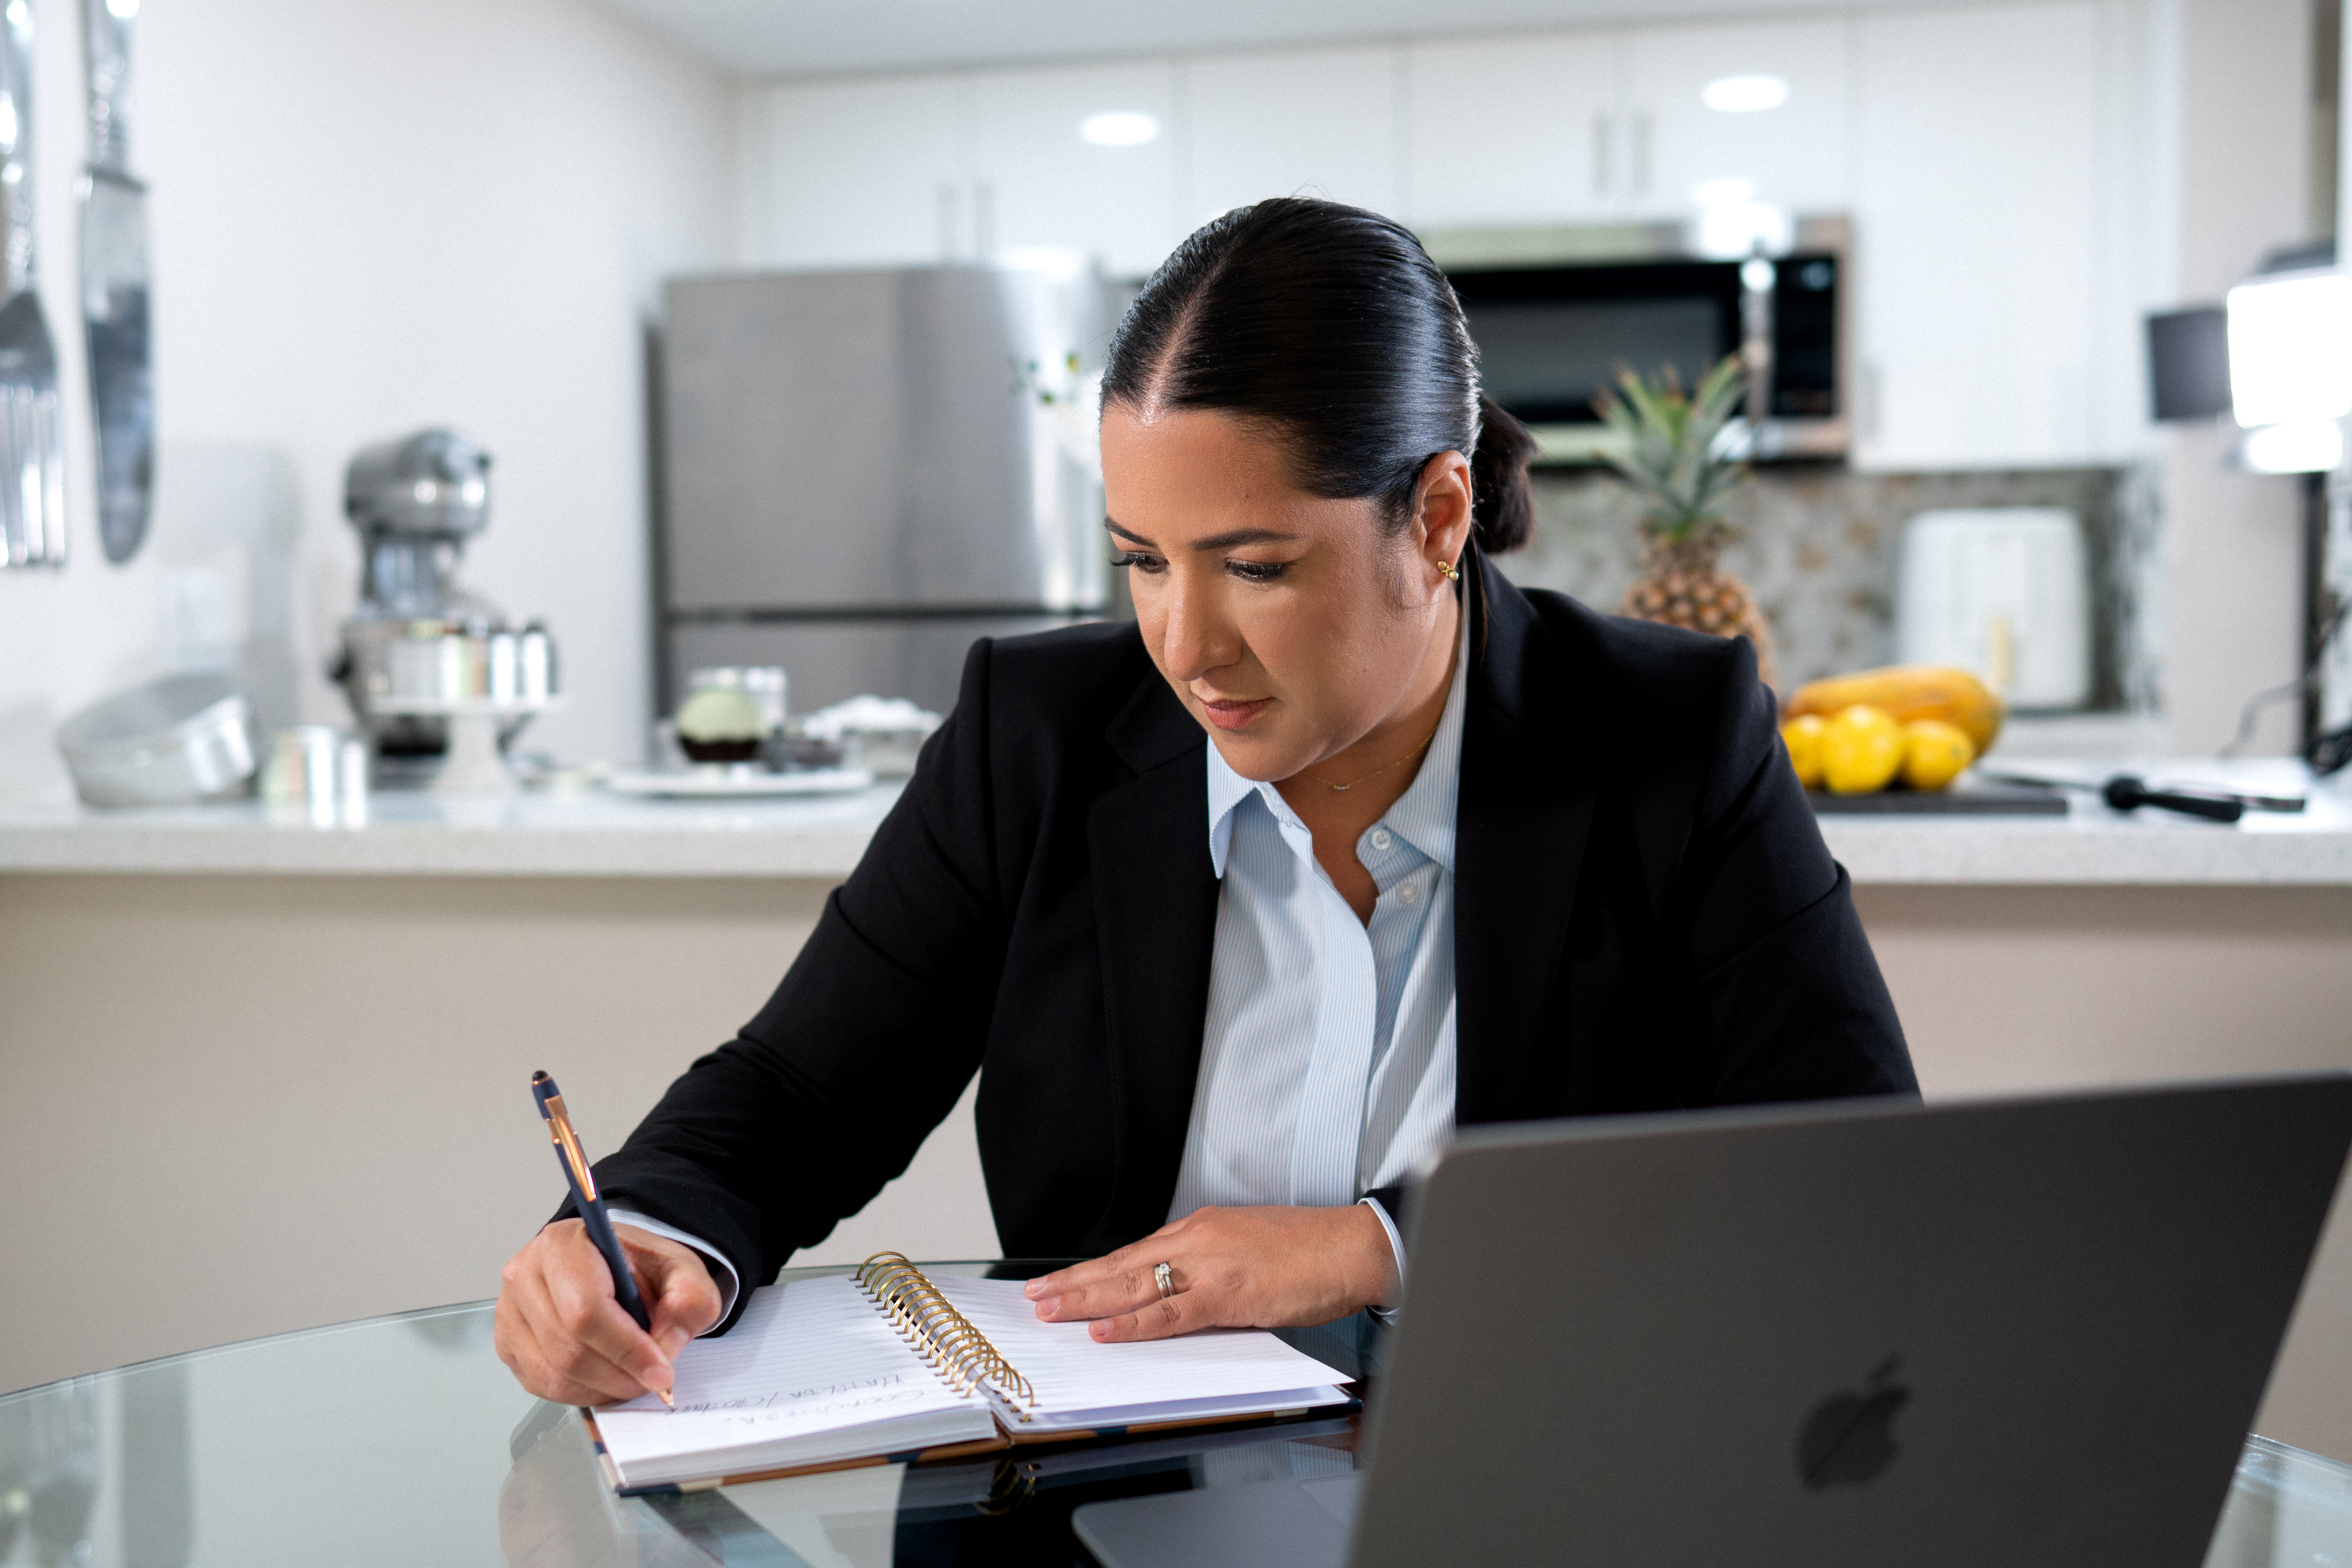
32 472
114 286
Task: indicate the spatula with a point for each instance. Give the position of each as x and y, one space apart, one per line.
114 286
32 489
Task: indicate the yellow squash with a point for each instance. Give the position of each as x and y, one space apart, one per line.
1907 692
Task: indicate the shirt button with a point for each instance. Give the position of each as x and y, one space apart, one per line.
1382 839
1408 893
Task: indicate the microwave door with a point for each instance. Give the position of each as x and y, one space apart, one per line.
1552 340
1548 361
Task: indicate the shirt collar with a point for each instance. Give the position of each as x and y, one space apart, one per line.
1422 816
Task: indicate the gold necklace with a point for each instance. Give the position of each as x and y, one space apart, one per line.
1342 789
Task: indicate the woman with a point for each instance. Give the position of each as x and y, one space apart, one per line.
1243 906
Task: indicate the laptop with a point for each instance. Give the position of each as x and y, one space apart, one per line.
2030 1332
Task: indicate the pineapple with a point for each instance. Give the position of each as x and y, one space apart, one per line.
1676 462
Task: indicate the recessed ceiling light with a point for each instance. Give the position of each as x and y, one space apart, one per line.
1743 94
1119 128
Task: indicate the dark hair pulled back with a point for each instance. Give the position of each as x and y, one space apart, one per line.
1332 325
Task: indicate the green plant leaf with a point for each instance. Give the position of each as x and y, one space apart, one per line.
1669 435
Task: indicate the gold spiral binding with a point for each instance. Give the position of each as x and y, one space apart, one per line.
945 1338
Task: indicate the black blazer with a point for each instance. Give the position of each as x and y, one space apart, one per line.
1645 918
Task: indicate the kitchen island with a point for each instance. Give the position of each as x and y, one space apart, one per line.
317 1041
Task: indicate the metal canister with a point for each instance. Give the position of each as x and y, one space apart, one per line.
536 657
502 659
316 777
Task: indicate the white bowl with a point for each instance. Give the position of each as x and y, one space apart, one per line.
182 739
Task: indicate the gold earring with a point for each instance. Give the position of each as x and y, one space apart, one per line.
1445 570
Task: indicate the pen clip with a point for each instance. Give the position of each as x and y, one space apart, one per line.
559 1128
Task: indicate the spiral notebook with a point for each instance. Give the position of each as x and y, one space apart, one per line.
888 1364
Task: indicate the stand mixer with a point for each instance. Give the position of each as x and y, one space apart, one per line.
440 683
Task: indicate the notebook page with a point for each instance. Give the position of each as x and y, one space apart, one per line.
809 1357
1071 1372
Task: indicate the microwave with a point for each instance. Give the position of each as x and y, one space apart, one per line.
1557 314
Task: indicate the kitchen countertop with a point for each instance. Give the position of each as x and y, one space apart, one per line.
591 834
600 835
2094 847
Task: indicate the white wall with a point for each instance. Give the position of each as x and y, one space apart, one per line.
2232 618
369 217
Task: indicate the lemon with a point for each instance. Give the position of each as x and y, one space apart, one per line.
1935 752
1802 736
1861 748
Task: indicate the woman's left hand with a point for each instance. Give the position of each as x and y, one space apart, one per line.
1229 1269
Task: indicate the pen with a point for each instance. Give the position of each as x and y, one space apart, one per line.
592 1207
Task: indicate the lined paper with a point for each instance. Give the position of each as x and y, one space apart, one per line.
807 1359
813 1373
1072 1372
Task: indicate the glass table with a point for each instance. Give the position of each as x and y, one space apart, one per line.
404 1440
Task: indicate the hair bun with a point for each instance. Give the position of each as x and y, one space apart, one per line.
1503 506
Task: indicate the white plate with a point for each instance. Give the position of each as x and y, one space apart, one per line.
716 783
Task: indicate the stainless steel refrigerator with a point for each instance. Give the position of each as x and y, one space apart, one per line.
862 471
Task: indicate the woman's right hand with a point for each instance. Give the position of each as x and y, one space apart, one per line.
567 1338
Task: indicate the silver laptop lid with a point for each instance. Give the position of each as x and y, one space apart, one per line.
2029 1332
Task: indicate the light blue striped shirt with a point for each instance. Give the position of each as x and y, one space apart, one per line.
1327 1062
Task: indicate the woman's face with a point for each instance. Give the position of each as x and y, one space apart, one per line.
1292 626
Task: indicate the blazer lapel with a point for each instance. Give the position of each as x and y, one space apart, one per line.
1156 915
1529 784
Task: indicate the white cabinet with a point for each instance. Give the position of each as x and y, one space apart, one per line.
1792 154
1601 126
1319 122
917 169
1975 236
1037 183
1978 149
854 173
1513 130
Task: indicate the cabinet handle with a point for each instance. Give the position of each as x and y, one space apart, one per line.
1601 129
947 215
1640 153
983 219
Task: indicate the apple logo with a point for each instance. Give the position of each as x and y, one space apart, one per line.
1850 1436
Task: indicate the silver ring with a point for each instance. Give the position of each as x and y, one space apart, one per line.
1160 1277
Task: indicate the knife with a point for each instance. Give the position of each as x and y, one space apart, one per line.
32 491
114 286
2128 792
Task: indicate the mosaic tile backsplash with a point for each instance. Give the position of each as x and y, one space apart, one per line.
1820 545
